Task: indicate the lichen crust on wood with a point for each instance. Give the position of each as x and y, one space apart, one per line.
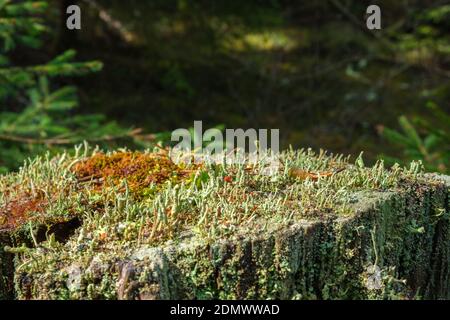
93 225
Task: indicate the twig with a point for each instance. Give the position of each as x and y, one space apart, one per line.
114 24
363 27
65 141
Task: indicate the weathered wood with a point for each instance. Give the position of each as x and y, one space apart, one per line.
395 245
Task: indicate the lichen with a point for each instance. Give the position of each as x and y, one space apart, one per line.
138 226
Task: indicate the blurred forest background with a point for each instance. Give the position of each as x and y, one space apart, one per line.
139 69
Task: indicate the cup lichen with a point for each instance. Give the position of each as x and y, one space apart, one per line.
114 204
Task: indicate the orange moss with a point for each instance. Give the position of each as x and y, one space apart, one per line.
140 170
17 212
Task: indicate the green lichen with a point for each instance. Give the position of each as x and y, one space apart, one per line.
226 232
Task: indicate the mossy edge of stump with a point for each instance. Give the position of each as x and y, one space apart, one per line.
396 245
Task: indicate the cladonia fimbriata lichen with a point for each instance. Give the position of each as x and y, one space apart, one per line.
132 225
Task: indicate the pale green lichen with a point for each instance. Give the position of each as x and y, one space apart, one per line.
229 232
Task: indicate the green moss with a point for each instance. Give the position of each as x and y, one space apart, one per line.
360 233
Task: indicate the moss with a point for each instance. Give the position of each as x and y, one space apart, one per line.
142 171
356 234
16 212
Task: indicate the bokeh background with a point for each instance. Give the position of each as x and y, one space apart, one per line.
310 68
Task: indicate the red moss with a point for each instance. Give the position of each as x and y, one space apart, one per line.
140 170
17 212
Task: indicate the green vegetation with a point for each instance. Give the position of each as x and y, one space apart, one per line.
309 68
427 136
160 199
431 144
36 116
126 224
65 213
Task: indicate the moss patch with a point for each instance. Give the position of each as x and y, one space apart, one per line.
142 171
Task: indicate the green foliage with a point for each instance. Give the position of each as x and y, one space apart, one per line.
427 137
19 25
35 115
310 68
427 140
206 222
